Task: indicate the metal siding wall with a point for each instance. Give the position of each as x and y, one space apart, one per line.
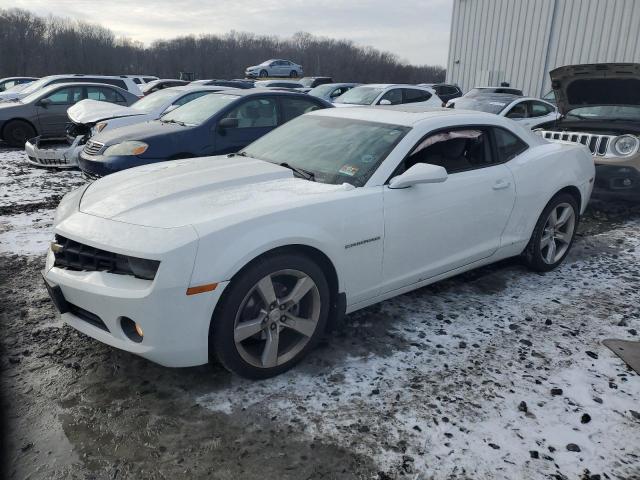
519 41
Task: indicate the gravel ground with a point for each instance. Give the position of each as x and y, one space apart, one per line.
498 373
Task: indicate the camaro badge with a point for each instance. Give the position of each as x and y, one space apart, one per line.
56 247
362 242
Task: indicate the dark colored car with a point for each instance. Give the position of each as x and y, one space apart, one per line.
225 83
215 124
44 112
444 90
11 82
161 84
312 82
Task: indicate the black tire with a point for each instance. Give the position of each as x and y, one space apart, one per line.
17 132
293 74
533 255
221 334
264 74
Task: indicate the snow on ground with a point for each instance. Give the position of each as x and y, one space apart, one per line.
443 398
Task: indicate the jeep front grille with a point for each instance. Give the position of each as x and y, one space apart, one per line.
93 148
597 144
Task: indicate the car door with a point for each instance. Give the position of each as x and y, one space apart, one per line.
253 118
431 229
52 114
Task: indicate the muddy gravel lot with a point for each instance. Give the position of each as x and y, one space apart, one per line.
498 373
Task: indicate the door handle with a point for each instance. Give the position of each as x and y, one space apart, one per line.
501 184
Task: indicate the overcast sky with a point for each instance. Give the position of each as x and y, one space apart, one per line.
416 30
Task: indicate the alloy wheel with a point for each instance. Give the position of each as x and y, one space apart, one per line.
558 233
277 318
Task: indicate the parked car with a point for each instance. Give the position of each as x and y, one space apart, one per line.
278 84
311 82
275 68
44 112
527 111
118 81
388 94
479 91
445 91
90 117
550 97
8 82
600 107
331 91
156 85
216 124
141 79
256 253
225 83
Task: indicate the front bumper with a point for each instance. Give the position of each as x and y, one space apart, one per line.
175 325
617 181
59 158
99 166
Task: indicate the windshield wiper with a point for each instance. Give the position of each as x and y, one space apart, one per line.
238 154
306 174
175 121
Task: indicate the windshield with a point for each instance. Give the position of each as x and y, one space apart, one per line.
360 96
37 94
154 100
199 110
306 82
37 85
334 150
322 90
265 63
480 104
606 112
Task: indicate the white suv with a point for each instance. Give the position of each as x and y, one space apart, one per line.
122 81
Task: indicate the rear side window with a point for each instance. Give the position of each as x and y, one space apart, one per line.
539 109
137 80
189 97
412 95
104 95
508 145
294 107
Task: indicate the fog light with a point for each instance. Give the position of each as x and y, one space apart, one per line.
131 329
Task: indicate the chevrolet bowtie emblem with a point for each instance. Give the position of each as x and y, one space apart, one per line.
56 247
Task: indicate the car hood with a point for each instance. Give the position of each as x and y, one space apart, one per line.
10 95
92 111
145 131
194 191
596 84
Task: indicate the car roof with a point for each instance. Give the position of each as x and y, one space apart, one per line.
48 88
76 75
199 88
404 114
503 97
394 85
247 92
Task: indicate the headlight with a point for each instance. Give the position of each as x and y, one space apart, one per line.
126 148
100 126
625 145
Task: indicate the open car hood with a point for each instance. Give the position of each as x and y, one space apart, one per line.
596 84
92 111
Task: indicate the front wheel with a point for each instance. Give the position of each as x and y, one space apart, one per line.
17 132
270 316
264 74
553 235
293 74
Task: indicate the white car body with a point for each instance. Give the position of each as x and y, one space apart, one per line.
102 116
205 219
512 107
386 89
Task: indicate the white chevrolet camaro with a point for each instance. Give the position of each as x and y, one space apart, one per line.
247 258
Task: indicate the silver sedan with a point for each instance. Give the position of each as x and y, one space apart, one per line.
274 68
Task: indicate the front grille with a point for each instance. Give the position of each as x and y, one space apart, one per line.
72 255
93 148
49 161
87 316
597 144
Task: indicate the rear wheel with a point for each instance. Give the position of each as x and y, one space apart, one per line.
293 74
17 132
264 74
271 315
554 233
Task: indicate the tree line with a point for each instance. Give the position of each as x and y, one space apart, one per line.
39 46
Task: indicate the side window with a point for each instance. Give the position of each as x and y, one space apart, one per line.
189 97
539 109
104 95
519 110
294 107
394 96
66 96
137 80
508 145
256 113
149 79
412 95
455 150
338 91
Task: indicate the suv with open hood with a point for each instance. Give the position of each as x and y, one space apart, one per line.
600 108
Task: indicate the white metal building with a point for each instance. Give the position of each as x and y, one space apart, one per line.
520 41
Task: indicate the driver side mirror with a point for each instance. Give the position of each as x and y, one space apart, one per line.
384 101
419 173
44 102
226 123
